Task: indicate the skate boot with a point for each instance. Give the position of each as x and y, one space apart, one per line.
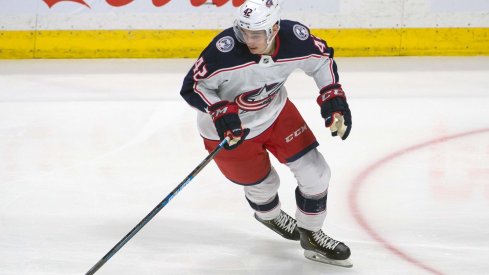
284 225
322 248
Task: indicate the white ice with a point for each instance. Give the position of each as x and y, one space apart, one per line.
89 147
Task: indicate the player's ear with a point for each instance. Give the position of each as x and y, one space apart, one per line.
275 28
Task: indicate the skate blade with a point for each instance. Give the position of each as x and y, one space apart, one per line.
311 255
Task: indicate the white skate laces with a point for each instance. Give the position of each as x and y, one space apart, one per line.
286 222
324 240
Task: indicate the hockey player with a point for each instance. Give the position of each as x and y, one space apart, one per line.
237 86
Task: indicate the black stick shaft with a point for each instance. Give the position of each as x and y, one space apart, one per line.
155 210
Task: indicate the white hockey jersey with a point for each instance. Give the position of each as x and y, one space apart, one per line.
226 70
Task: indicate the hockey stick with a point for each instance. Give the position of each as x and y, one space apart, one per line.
157 209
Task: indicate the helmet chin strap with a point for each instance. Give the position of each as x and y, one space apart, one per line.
270 43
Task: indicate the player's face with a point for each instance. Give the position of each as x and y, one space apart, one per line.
255 40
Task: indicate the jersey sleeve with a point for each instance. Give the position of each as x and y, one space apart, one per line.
323 68
198 90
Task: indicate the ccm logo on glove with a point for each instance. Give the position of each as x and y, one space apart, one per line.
227 122
335 110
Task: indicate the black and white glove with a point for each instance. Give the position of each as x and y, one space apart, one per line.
227 122
335 110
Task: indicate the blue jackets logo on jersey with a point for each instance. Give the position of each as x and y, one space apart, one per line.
225 44
301 32
258 99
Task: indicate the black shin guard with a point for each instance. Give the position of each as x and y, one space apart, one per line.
311 205
264 207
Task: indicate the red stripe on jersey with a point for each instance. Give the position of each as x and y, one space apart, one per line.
201 94
331 70
231 69
299 58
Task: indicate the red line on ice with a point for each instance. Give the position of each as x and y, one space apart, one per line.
361 180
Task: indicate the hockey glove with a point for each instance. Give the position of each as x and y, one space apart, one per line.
227 122
335 110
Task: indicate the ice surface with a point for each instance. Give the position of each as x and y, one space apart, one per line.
89 147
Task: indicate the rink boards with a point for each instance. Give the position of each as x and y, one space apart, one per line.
176 29
188 43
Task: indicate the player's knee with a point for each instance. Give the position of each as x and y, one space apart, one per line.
265 190
312 173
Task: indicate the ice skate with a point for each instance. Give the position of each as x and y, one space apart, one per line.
284 225
322 248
